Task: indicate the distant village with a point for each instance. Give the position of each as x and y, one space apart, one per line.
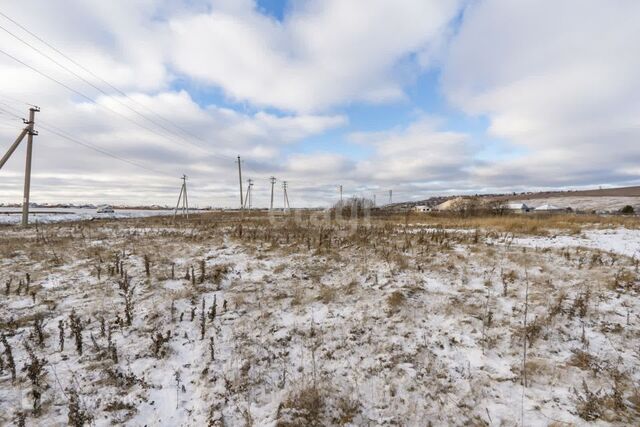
582 205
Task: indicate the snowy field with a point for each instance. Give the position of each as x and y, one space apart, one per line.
584 203
282 323
49 215
619 241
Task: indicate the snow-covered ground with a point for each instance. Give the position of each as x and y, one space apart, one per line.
49 215
620 241
318 325
583 203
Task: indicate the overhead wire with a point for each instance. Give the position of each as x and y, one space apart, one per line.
66 136
184 131
76 63
15 116
91 100
4 95
73 73
100 150
88 71
62 134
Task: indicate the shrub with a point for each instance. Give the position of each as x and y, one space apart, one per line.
395 300
9 355
76 416
627 210
355 207
590 405
36 374
76 329
302 408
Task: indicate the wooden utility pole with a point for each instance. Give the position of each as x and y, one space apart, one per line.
286 197
183 197
340 194
28 130
27 169
273 181
390 196
240 178
247 199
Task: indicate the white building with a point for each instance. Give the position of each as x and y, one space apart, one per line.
422 208
548 208
516 207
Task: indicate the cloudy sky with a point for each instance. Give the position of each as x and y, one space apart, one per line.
424 97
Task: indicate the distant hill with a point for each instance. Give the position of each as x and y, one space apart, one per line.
604 192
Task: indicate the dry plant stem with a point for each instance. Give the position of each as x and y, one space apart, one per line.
524 344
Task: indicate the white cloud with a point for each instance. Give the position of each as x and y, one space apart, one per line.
421 152
209 159
324 53
558 79
127 43
323 166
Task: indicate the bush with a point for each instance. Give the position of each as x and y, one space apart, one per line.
354 207
627 210
302 408
395 301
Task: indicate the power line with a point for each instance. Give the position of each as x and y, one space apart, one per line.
67 69
109 85
49 45
61 134
69 88
19 101
88 98
10 112
83 95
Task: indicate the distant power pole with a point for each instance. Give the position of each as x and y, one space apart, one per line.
247 199
286 197
184 198
240 178
390 196
374 200
273 181
28 130
340 193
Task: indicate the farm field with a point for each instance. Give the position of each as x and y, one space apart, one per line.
593 203
302 321
50 215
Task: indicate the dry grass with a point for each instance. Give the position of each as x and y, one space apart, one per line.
395 301
410 268
327 294
532 224
302 408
